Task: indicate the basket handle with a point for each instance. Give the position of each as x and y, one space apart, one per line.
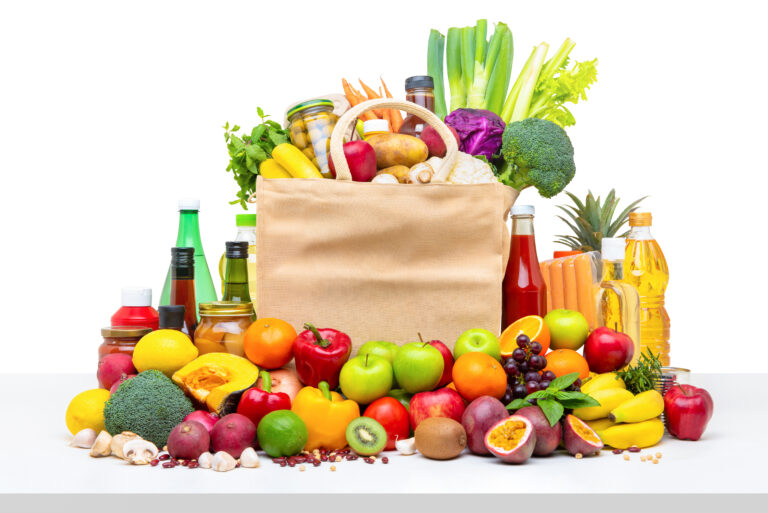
337 138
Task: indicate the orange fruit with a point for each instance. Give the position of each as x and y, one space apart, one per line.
566 361
531 325
476 374
269 343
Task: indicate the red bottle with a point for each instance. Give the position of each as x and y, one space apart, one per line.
136 309
524 291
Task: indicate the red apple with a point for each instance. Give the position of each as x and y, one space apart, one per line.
361 160
112 367
448 362
434 142
607 350
124 377
443 402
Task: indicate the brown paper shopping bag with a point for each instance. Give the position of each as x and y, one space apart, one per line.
383 261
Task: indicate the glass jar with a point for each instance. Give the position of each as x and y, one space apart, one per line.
421 91
120 339
311 124
222 327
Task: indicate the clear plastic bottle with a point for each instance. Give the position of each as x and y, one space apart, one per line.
246 231
646 269
617 302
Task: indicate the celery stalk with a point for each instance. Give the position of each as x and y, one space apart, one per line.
453 64
435 50
519 97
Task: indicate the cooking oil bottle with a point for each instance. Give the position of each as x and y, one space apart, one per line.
646 269
617 302
246 231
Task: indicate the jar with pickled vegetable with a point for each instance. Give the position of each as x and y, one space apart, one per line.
222 327
120 339
311 124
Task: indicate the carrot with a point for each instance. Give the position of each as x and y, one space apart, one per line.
372 96
354 97
569 284
396 118
585 287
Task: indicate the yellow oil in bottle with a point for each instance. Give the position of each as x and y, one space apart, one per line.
646 269
246 230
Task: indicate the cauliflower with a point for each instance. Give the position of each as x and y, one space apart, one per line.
469 169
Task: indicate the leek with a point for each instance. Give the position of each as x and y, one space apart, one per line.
467 58
498 77
435 52
453 63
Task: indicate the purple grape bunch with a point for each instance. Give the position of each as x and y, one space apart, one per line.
525 370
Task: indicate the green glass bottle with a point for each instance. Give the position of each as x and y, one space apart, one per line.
236 273
189 236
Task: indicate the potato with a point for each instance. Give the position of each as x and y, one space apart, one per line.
398 150
399 172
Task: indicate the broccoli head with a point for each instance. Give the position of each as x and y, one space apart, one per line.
149 405
536 153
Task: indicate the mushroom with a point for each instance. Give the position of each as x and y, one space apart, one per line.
385 178
222 462
420 173
84 439
139 451
119 441
205 459
101 446
249 458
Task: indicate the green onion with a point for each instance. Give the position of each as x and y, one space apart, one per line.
435 50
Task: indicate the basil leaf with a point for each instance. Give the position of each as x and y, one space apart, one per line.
255 153
517 404
552 410
563 382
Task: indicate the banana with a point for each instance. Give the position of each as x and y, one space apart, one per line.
600 424
644 406
602 382
641 434
609 399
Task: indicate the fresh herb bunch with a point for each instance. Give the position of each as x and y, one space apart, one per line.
248 151
554 399
644 375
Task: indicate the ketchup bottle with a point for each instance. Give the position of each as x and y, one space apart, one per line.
136 309
523 291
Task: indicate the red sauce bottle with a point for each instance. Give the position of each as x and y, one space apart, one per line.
136 309
524 290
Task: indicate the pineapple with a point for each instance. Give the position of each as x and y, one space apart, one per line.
591 221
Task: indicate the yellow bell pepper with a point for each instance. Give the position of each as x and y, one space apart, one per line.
326 415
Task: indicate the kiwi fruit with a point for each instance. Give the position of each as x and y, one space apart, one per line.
366 436
440 438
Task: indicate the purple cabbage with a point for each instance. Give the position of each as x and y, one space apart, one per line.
479 130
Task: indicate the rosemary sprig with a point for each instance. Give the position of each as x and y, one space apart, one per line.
644 374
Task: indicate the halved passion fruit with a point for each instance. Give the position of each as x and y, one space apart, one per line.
512 439
579 438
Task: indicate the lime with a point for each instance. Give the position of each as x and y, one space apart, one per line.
163 350
86 410
282 433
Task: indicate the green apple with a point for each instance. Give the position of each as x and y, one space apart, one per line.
478 340
568 329
418 367
381 348
365 378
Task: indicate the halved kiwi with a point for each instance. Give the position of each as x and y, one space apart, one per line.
366 436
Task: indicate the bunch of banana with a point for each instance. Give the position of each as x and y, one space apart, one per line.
622 419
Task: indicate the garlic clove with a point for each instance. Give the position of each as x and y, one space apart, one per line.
84 439
222 462
101 446
139 452
205 460
249 458
406 447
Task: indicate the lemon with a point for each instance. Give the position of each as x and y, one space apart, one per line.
86 410
163 350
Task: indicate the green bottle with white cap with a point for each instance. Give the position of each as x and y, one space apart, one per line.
246 231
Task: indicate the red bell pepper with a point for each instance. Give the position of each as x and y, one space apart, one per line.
255 403
688 410
320 354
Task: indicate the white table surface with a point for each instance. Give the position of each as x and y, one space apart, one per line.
729 458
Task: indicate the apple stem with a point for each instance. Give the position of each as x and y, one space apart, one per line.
420 337
366 358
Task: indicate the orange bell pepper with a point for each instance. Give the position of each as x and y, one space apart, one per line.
326 415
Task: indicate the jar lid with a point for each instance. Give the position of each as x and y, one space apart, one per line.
245 220
311 103
375 125
124 331
225 308
419 81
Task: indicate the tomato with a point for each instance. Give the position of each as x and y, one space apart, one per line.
393 416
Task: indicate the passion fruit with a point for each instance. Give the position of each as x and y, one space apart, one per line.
478 417
512 439
547 437
579 438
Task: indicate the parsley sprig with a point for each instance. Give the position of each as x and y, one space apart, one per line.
555 399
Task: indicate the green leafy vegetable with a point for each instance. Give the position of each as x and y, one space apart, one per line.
644 374
248 151
435 50
555 399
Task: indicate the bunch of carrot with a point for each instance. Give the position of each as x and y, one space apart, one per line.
393 116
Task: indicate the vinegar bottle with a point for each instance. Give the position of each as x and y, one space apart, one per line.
183 286
617 302
647 270
523 290
246 231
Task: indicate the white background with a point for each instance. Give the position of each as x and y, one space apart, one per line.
112 111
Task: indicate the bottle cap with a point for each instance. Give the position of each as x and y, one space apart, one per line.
237 249
419 81
613 248
136 296
375 125
171 317
640 219
245 220
522 210
189 204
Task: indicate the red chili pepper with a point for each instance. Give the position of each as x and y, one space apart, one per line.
320 354
256 403
688 410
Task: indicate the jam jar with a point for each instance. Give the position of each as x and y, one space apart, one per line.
120 339
222 327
